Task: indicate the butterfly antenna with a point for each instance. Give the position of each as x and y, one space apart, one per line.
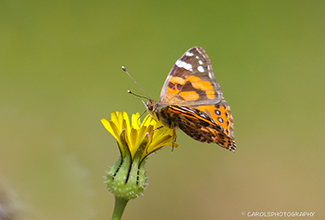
123 68
140 96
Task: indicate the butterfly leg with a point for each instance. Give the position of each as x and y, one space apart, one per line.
160 127
174 139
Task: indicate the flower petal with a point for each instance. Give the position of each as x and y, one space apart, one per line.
135 121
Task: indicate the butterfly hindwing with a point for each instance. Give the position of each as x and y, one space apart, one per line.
220 113
199 124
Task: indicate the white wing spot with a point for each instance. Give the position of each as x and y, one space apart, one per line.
197 57
211 75
182 64
201 69
200 62
189 54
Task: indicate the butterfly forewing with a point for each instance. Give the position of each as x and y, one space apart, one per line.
191 81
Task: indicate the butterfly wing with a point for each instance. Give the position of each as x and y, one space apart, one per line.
193 101
191 81
198 124
220 113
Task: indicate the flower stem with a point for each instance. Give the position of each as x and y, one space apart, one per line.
120 204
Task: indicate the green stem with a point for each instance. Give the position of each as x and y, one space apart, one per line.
120 204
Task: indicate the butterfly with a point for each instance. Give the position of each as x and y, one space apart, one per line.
191 100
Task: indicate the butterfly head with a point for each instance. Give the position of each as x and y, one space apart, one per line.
151 107
158 112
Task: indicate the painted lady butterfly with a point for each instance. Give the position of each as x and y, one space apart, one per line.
191 99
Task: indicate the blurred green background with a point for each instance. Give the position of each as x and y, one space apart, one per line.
60 73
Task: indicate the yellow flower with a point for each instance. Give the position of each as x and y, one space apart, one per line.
136 140
135 133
